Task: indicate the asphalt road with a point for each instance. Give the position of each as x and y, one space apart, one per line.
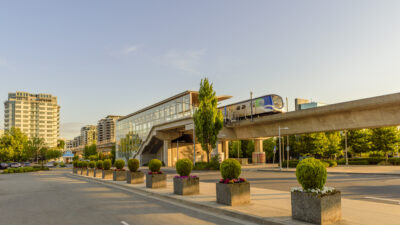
378 188
52 198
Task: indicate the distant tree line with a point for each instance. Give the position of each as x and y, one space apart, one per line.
17 147
377 142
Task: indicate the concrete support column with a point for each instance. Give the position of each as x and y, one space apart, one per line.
258 156
167 153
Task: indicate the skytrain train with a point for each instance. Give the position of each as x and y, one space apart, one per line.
267 104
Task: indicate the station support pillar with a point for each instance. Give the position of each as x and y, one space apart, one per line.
167 153
258 156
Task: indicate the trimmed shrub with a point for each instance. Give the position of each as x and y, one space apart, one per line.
311 174
119 164
325 164
214 163
62 164
5 171
133 165
184 167
201 166
92 164
384 163
84 164
107 164
155 165
99 164
358 162
75 163
230 169
394 161
55 163
332 163
79 164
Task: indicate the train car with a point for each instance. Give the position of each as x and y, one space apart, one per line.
264 105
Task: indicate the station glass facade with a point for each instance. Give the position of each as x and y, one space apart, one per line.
138 125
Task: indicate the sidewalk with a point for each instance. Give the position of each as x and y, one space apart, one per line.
267 206
351 169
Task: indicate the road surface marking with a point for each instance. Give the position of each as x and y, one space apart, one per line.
384 199
124 223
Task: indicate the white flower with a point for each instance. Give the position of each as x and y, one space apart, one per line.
317 191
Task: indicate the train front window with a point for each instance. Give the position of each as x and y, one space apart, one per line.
278 103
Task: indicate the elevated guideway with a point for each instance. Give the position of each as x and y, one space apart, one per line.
373 112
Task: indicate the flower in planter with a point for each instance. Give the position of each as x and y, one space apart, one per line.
159 172
185 177
230 171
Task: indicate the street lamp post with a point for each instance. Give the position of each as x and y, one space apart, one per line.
251 104
280 154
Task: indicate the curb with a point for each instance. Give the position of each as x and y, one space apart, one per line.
353 173
210 209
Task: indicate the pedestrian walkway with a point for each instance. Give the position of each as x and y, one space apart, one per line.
269 206
351 169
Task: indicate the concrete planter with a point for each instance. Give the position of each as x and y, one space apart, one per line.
315 209
107 174
98 173
134 177
233 194
90 172
156 180
84 171
119 175
186 186
75 170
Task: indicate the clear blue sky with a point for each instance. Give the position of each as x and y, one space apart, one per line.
115 57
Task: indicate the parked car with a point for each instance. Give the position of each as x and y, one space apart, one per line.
3 165
27 164
15 165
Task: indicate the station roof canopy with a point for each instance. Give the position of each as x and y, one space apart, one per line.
194 96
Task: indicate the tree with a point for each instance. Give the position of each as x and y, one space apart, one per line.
34 146
384 139
268 147
53 154
89 150
60 144
43 154
129 146
112 154
334 147
359 141
314 144
234 147
13 146
207 118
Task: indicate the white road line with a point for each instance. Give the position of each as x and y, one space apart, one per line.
384 199
124 223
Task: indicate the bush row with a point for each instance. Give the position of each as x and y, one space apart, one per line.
25 169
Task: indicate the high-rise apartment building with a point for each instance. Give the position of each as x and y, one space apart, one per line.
88 135
37 115
106 133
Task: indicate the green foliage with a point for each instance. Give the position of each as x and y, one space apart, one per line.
60 144
268 147
84 164
292 163
79 164
332 163
25 169
212 165
207 118
230 169
99 164
107 164
119 164
184 167
312 144
90 150
384 139
358 141
13 146
129 145
62 164
75 158
112 154
92 164
395 161
93 157
234 147
333 147
75 163
155 165
311 174
53 154
133 165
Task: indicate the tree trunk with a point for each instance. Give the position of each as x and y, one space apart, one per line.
208 154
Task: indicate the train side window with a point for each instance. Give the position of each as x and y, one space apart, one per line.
243 106
238 107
